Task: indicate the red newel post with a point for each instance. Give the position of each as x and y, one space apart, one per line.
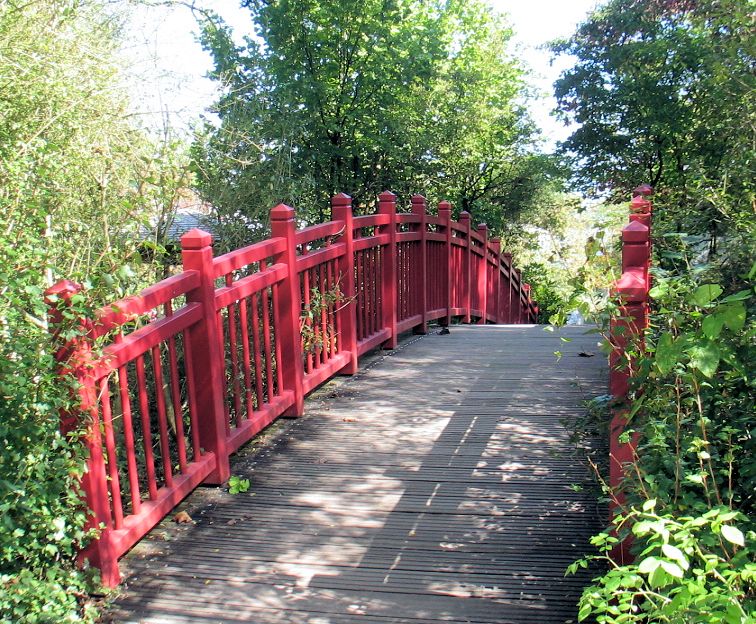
507 257
444 213
420 208
208 367
341 210
387 206
483 275
283 225
632 290
496 248
464 221
75 359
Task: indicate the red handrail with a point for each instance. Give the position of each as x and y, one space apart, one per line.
199 363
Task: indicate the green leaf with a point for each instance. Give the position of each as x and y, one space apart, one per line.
667 353
734 316
705 358
649 504
648 565
705 294
712 325
733 535
674 553
672 569
658 291
741 295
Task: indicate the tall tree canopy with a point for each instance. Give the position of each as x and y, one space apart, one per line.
360 96
662 91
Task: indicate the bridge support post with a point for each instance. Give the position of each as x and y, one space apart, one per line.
496 289
341 210
632 290
507 299
207 357
420 208
444 213
387 206
74 358
482 284
283 225
464 221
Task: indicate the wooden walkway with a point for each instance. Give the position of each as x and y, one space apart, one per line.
437 485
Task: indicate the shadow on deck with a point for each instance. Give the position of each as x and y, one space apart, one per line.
437 485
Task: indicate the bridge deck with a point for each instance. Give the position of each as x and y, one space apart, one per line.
438 485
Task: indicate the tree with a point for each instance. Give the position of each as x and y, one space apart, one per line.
362 96
77 181
662 92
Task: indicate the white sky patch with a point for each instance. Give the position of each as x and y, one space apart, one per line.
168 68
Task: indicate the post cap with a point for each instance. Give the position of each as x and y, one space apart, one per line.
387 196
444 205
644 190
526 287
282 212
639 204
635 232
482 227
342 199
196 239
64 289
464 216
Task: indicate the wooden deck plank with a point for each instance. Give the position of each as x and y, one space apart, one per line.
437 485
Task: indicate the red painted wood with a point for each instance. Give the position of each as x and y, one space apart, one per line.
230 262
632 290
387 208
497 278
420 208
206 349
341 210
267 344
257 352
467 270
483 274
282 225
121 312
128 436
396 272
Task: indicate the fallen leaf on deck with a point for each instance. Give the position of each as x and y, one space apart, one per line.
182 518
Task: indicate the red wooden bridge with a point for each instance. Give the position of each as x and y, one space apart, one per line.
437 486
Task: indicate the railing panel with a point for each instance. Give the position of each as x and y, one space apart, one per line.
199 363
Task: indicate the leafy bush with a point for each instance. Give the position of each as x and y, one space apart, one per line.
77 180
692 488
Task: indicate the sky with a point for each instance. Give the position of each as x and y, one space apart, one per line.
168 66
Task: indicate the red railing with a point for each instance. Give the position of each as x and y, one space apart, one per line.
196 365
627 330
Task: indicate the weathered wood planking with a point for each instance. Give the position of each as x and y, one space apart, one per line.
438 485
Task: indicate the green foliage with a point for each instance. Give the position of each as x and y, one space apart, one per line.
77 180
692 489
363 96
663 94
689 569
237 485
